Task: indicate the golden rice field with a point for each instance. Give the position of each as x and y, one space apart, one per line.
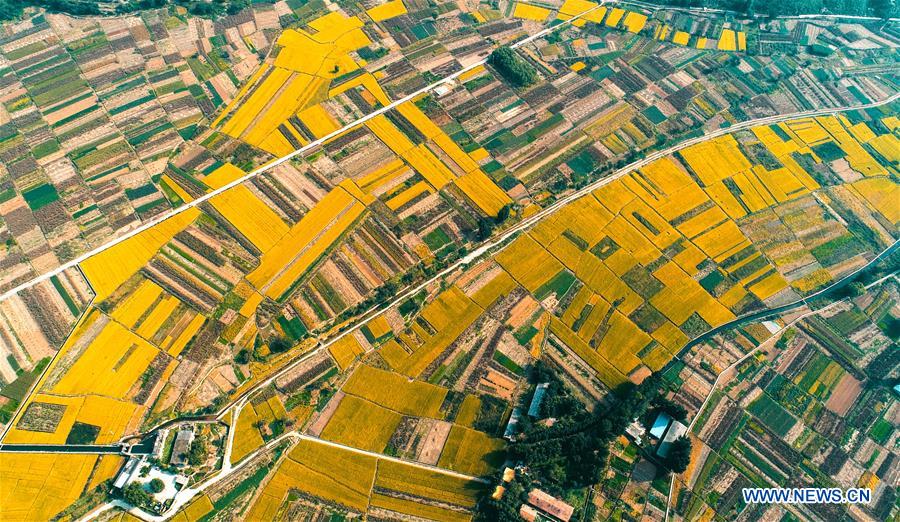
305 242
387 10
132 308
427 484
449 315
109 366
253 218
882 195
299 78
471 452
108 466
634 22
318 121
483 192
468 411
408 195
572 8
418 509
501 284
196 510
110 268
361 424
396 392
530 12
270 410
606 372
246 437
348 478
474 184
345 350
379 327
38 486
334 474
529 263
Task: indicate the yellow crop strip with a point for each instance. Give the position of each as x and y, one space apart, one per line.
178 344
345 350
318 121
726 41
387 10
572 8
429 166
361 424
110 268
882 195
334 474
396 392
389 134
449 315
176 188
133 307
408 195
157 317
305 242
530 12
240 94
246 436
382 175
486 195
681 38
39 486
635 22
254 219
471 452
110 365
615 16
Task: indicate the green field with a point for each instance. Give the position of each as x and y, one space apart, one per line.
772 414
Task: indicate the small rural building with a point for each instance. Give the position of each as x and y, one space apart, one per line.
181 447
127 472
534 410
675 431
636 432
158 443
528 513
552 507
660 425
512 427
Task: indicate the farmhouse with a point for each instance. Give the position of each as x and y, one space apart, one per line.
534 409
182 446
659 425
547 505
675 431
127 472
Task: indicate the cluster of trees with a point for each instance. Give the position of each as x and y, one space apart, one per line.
878 8
136 495
486 225
197 454
511 66
572 451
679 455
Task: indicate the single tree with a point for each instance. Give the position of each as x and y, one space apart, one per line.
679 455
135 495
156 485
